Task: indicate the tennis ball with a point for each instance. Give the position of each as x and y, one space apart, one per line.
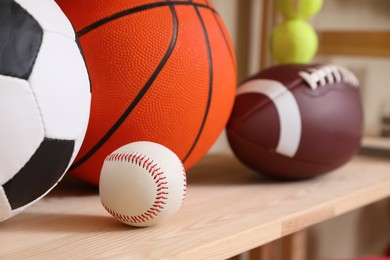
303 9
293 41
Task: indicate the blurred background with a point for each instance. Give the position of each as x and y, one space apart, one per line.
354 34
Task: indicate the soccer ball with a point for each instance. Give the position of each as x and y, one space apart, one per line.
44 101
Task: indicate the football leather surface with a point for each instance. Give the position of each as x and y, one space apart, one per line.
297 121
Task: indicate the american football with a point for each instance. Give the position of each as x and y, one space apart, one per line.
297 121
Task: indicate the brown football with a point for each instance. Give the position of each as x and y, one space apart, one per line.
297 121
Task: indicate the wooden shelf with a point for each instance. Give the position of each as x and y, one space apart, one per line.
359 43
228 210
376 143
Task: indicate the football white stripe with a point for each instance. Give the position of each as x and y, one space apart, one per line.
287 108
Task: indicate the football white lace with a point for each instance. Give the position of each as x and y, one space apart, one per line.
328 74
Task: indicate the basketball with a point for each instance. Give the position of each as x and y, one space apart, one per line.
161 71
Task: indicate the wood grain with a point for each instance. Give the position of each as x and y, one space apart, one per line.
228 210
358 43
265 252
265 32
294 246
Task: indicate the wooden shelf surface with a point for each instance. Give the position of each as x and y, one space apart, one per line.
355 43
228 210
376 142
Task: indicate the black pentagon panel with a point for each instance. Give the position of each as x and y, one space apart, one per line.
43 170
20 40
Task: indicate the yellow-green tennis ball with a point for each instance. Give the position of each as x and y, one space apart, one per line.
303 9
294 41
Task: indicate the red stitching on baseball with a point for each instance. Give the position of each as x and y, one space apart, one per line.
158 177
151 213
148 165
154 172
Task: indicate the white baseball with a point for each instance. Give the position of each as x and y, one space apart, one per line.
142 183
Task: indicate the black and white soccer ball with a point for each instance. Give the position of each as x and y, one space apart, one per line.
44 101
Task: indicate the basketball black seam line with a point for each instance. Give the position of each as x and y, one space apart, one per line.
210 60
226 41
137 9
140 94
224 37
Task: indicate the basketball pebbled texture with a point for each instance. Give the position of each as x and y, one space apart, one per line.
161 71
297 121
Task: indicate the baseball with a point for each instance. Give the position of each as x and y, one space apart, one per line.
142 183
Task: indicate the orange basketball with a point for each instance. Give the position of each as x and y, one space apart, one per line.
161 71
